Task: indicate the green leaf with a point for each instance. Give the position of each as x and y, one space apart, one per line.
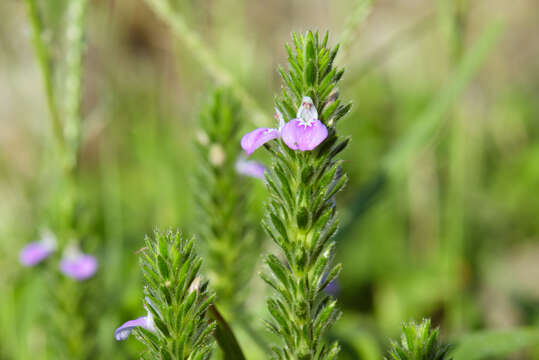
418 341
302 218
310 73
279 226
328 111
225 337
159 324
309 47
163 266
306 174
431 118
179 312
278 269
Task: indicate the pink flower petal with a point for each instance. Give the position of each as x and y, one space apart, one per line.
256 138
298 135
123 332
80 267
34 253
146 322
250 168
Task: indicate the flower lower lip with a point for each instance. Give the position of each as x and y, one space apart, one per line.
123 332
79 268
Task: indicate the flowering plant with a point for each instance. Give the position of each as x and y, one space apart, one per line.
176 300
418 342
301 211
122 163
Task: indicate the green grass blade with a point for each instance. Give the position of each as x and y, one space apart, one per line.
432 118
207 58
225 337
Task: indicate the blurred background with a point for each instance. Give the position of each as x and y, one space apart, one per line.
439 218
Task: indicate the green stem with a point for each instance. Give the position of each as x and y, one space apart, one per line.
208 59
459 160
353 23
432 118
76 12
45 64
225 336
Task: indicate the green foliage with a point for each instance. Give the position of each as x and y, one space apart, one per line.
431 118
75 46
409 87
225 337
58 32
419 342
301 211
312 73
221 196
44 59
69 318
177 299
165 9
486 344
64 102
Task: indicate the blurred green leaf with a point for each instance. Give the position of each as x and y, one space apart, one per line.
425 127
225 337
483 345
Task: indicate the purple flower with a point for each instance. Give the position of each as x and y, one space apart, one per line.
250 168
333 288
304 133
78 265
256 138
35 252
123 332
299 135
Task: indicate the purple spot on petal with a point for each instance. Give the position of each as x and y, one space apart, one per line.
298 135
34 253
123 332
79 267
250 168
256 138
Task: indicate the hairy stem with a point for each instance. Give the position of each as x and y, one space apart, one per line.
45 65
74 74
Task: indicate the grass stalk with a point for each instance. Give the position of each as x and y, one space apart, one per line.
45 65
207 58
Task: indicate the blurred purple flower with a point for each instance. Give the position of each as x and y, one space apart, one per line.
78 265
35 252
123 332
333 288
304 133
250 168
